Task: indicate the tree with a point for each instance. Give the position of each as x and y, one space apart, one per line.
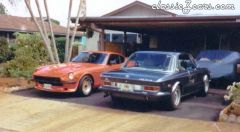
4 49
3 9
55 21
50 44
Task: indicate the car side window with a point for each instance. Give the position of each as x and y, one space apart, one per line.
114 59
185 63
121 59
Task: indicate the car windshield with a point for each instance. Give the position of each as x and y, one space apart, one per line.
149 61
88 57
213 56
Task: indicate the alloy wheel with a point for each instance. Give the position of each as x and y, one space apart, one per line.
206 84
176 96
87 86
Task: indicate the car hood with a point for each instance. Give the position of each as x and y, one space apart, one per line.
138 75
217 70
63 69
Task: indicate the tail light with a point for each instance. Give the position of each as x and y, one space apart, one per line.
152 88
105 83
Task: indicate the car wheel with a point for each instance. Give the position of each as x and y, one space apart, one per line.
205 88
85 86
175 99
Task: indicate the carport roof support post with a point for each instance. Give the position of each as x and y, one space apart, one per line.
102 43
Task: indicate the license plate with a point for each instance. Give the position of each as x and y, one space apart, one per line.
126 87
47 86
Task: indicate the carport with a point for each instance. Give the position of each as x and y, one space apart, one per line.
180 33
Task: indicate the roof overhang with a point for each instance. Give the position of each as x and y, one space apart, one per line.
166 23
34 31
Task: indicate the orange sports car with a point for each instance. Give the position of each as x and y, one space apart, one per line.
81 75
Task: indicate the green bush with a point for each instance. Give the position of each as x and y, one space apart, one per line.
60 43
34 43
29 54
4 50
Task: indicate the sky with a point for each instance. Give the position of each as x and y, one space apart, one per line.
59 8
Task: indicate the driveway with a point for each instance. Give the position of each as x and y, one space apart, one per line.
20 113
198 108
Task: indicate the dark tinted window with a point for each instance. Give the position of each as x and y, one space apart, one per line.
185 63
152 61
115 59
88 57
121 59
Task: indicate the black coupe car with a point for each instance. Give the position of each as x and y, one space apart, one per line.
151 75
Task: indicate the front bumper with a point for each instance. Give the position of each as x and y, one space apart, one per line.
67 87
135 95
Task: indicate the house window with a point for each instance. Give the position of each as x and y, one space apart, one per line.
107 37
132 38
117 38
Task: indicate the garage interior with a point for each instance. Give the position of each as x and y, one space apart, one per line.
180 33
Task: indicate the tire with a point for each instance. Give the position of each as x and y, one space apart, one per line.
204 90
174 100
85 86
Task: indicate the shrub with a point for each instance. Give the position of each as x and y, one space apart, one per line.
60 43
35 44
4 50
29 54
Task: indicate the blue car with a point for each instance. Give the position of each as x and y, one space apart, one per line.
222 64
153 75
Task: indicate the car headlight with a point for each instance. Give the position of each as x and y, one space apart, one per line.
71 76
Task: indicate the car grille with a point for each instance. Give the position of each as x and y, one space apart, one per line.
48 80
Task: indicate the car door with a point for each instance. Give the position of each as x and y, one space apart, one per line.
198 76
194 74
187 68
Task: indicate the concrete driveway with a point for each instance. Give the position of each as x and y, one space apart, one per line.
18 113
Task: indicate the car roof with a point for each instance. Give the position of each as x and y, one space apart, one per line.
103 52
160 52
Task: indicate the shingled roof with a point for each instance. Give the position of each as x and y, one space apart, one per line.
25 24
159 12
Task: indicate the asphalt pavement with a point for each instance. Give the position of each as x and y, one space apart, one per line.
192 107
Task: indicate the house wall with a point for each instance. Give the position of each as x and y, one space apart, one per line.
92 43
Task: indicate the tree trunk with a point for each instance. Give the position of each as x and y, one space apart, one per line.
41 18
81 4
68 33
46 42
52 34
